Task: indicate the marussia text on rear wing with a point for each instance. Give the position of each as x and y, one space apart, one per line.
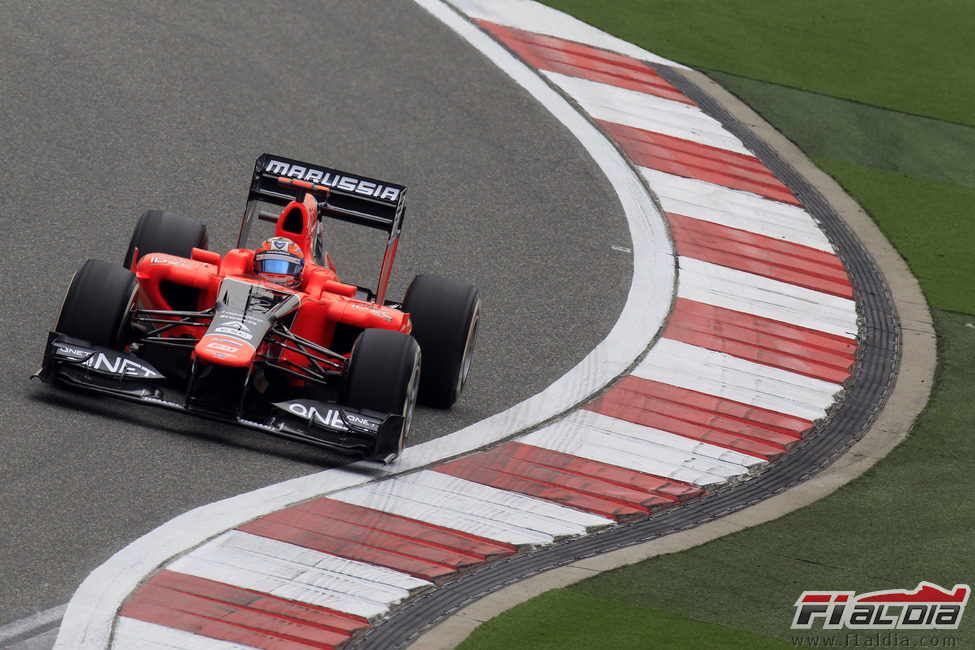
347 197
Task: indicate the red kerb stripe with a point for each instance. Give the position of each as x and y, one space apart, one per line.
229 613
715 420
771 343
367 535
772 258
577 60
568 480
691 159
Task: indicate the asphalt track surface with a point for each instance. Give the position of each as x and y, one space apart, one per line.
109 109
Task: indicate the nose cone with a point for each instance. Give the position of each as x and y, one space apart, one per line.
225 350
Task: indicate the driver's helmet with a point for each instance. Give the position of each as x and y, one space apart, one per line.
279 260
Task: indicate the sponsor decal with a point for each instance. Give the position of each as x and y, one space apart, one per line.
359 421
222 345
115 364
170 261
330 418
238 319
74 354
333 179
234 329
928 607
231 331
379 312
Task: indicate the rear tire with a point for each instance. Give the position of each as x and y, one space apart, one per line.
383 374
158 231
98 304
445 314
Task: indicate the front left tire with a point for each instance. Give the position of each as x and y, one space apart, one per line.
98 304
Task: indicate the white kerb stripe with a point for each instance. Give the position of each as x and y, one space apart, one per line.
736 209
297 573
716 373
643 449
647 112
133 634
452 487
722 286
473 508
733 460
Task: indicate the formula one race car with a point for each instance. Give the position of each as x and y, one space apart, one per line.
268 336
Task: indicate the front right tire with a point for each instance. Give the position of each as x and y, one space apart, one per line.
158 231
383 374
445 315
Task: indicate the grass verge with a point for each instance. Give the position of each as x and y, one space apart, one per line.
569 618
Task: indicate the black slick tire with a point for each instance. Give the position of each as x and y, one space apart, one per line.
445 315
158 231
98 304
383 374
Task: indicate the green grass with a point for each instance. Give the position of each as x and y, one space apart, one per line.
881 95
568 618
931 223
840 129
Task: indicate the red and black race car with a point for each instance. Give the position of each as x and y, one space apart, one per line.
267 336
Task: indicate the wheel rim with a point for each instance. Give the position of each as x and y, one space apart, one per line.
126 317
465 364
412 388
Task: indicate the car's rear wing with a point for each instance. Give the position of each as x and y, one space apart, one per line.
351 197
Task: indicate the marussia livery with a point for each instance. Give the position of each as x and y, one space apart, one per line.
267 336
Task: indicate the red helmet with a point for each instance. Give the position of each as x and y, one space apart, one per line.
279 260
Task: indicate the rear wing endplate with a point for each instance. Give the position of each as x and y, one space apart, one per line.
351 197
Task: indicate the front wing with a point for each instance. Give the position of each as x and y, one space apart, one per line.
77 363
